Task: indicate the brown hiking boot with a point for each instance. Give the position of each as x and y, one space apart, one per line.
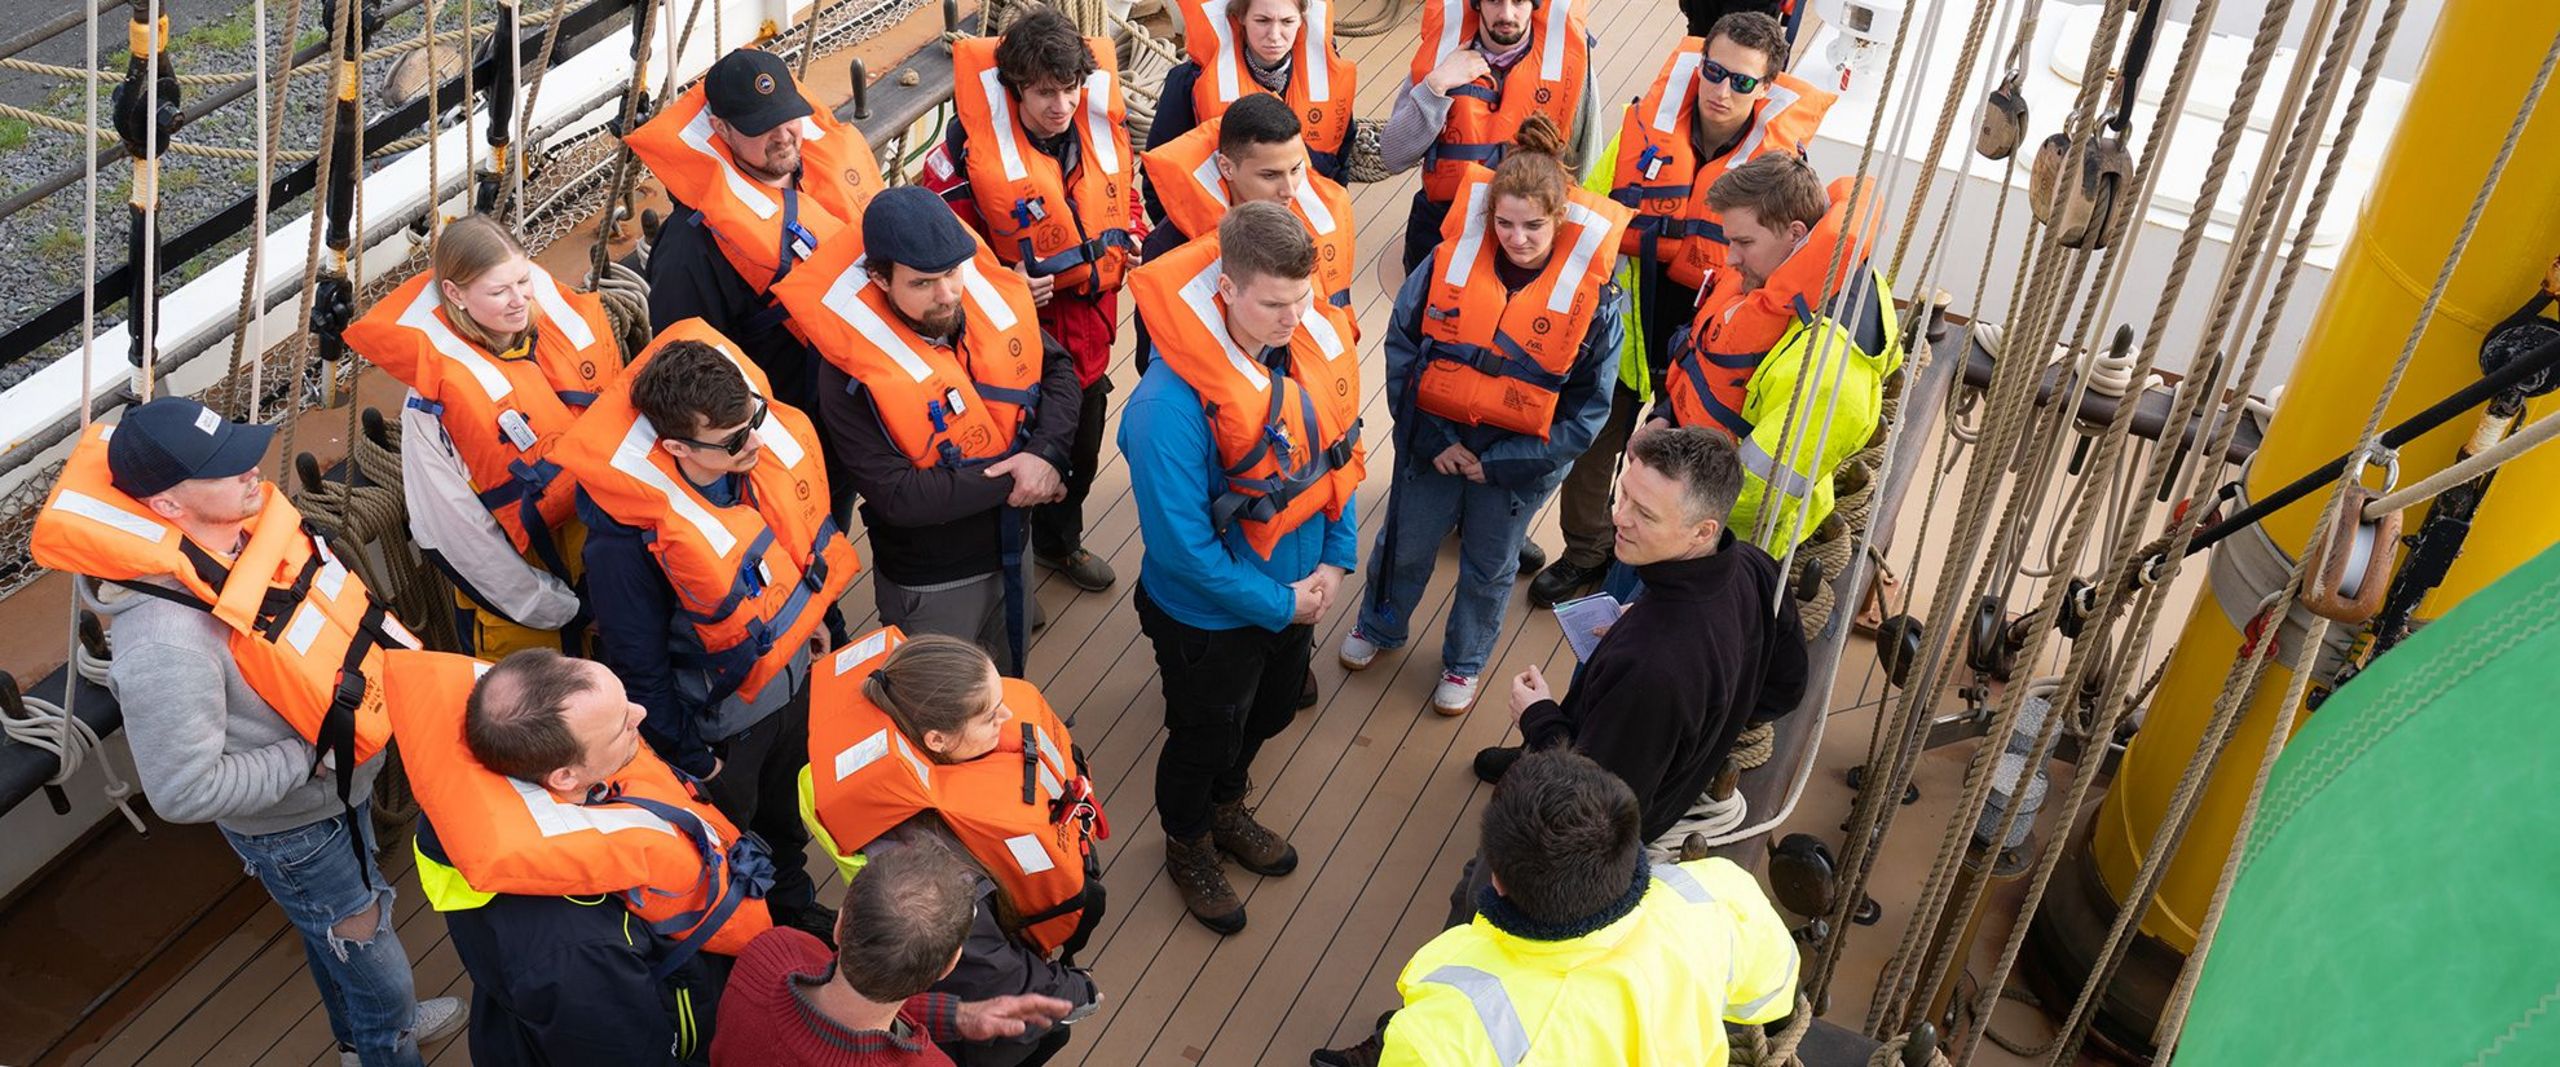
1202 880
1254 846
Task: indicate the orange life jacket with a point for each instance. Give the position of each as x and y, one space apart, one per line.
941 407
1069 225
1184 174
754 578
1289 446
1713 359
1015 809
643 836
1485 114
1660 175
503 412
305 632
1320 90
762 230
1491 357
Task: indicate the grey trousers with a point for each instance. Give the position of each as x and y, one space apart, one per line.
971 608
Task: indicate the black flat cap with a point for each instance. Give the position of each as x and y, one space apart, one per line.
910 226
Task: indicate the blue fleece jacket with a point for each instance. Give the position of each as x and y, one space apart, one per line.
1200 577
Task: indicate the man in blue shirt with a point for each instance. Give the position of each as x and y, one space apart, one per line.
1255 377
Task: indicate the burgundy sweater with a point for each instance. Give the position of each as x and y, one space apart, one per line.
767 1018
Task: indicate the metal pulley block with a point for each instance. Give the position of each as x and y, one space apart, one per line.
1803 876
1897 648
2351 570
1986 648
2083 206
2004 121
333 309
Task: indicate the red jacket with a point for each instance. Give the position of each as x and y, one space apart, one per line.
1084 326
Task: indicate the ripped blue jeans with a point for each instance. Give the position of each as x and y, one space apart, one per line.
364 981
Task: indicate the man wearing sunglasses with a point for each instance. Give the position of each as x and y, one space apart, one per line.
714 566
1716 104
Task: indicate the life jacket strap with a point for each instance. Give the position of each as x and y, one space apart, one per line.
1505 359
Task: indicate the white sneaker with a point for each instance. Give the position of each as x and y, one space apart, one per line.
1456 693
1357 652
437 1020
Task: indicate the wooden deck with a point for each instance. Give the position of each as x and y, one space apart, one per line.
1374 790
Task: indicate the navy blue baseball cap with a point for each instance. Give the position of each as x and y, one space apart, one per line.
751 90
911 226
174 439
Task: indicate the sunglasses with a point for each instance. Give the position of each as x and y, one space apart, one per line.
736 442
1711 72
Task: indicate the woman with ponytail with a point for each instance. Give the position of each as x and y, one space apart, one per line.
1498 359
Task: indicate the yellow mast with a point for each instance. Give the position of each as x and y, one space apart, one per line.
2479 63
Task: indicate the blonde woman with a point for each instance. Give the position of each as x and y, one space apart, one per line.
499 358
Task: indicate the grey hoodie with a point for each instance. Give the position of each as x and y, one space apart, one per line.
207 747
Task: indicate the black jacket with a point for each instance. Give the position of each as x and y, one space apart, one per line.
690 278
1696 658
562 980
934 524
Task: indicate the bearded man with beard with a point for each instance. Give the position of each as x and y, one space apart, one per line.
943 500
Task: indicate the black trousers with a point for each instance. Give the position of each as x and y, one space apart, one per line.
1225 693
1057 529
758 788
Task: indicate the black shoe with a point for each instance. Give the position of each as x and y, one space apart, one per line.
1565 581
1367 1053
1307 694
1533 558
1493 762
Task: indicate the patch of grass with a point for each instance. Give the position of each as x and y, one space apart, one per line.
176 180
59 252
309 38
228 33
13 133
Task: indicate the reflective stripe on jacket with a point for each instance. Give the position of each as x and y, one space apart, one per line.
1657 171
1492 357
1703 947
1074 225
1184 174
1840 373
1290 444
502 411
1014 808
1322 85
754 578
1484 114
940 406
643 836
763 231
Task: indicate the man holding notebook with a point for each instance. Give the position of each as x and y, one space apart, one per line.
1708 647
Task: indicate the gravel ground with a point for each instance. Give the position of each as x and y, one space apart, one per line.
41 246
